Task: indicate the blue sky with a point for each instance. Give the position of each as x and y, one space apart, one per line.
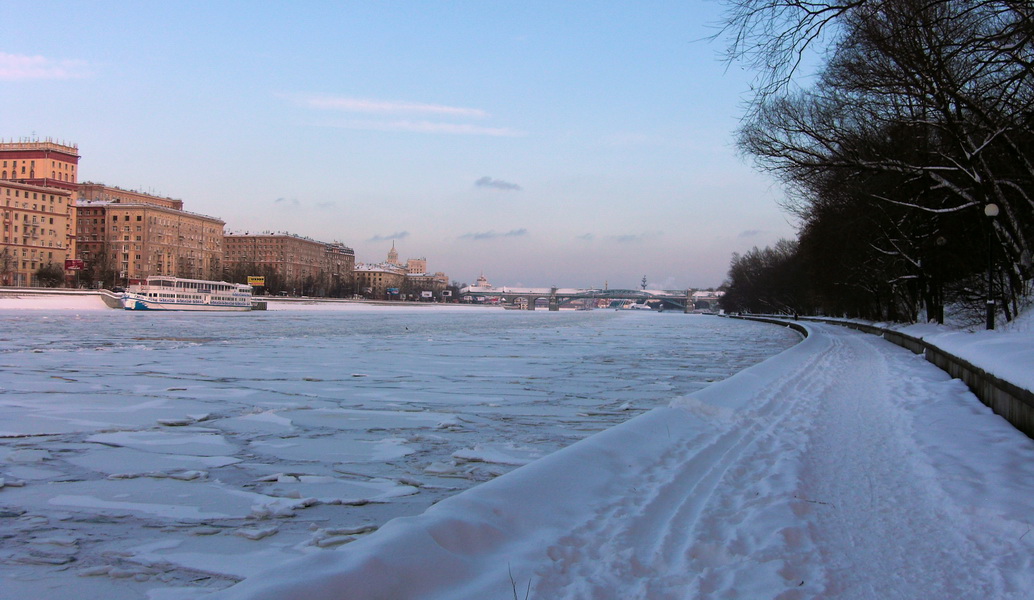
542 143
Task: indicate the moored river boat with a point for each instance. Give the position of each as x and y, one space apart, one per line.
160 292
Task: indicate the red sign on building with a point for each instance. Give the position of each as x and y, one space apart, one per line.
73 264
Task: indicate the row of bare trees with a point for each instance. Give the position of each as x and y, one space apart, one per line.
918 123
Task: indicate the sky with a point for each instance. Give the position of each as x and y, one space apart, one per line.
576 144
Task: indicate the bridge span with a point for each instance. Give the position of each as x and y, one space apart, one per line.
555 297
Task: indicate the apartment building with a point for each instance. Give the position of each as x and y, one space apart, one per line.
291 263
48 164
137 235
380 281
37 231
37 181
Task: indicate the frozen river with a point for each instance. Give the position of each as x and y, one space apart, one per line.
163 456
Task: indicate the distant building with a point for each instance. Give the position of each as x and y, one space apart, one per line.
127 235
418 283
37 231
98 192
391 280
45 164
416 265
380 281
393 256
291 263
137 235
415 282
37 184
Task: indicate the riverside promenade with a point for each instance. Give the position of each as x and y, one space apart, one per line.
844 467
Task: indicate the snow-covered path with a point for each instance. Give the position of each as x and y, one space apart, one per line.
845 467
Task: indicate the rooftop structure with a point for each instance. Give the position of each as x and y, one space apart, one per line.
46 163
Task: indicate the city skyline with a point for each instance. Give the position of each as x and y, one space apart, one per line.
538 144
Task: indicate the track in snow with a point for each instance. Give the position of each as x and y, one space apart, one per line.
819 489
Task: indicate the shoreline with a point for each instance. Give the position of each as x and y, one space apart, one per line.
21 298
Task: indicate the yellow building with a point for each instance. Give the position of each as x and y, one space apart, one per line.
46 164
37 181
379 282
37 231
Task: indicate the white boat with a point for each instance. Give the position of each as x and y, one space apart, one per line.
161 292
632 305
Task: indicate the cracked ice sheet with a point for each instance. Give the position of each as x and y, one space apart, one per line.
113 461
370 419
334 450
44 411
148 497
189 443
330 489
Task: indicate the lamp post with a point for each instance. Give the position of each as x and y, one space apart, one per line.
941 242
991 211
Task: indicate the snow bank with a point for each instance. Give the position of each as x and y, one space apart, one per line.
1007 353
33 301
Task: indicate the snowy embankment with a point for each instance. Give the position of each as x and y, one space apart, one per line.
1007 353
844 467
51 301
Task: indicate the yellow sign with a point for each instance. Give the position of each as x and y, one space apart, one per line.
256 280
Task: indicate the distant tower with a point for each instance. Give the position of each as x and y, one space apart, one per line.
481 281
393 255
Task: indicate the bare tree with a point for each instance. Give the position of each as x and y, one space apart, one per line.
922 106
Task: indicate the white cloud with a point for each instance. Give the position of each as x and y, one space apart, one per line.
365 105
429 127
20 67
420 114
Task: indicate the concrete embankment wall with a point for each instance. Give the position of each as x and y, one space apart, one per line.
1012 402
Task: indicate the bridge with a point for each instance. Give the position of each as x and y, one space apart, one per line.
684 300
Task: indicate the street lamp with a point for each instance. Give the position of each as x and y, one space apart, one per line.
991 211
941 242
